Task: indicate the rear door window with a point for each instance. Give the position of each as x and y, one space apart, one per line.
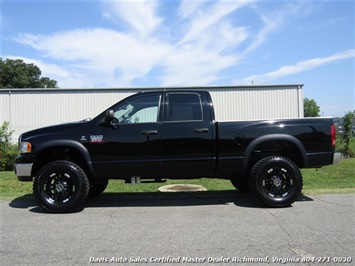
184 107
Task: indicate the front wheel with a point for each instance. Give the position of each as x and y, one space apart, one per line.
60 186
241 183
276 181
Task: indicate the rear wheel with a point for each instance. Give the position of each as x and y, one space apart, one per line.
97 187
276 181
60 186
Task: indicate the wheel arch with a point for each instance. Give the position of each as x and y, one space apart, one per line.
274 144
63 150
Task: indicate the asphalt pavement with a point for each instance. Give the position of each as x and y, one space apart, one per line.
200 228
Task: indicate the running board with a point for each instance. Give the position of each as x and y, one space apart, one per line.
137 180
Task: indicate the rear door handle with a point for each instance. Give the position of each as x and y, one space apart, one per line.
201 130
149 132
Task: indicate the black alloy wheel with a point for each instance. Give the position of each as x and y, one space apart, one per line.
276 181
61 186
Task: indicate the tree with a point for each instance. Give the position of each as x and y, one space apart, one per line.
45 82
347 125
311 109
15 73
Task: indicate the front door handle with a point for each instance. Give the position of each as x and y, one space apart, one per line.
201 130
149 132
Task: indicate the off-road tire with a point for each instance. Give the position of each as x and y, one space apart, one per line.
97 187
276 181
61 186
241 183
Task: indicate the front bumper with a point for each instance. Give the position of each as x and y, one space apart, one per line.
23 166
23 171
336 158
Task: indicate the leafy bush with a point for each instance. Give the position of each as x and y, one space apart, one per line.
349 151
8 151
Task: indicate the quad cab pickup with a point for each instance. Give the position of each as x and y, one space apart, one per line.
172 134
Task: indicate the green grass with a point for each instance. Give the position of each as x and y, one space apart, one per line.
11 188
330 179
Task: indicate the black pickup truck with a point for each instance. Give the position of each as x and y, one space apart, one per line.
172 134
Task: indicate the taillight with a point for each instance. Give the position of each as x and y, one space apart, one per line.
333 135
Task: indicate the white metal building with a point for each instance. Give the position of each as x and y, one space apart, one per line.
27 109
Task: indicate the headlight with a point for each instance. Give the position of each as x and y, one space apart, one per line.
25 147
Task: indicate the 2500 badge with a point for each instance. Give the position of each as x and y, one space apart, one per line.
96 138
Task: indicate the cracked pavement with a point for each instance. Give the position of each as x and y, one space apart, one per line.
143 226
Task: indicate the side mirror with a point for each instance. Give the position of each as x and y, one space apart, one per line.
108 119
109 116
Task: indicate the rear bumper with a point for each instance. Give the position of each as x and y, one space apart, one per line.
336 158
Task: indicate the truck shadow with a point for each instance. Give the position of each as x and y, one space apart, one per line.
158 199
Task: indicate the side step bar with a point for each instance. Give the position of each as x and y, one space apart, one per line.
137 180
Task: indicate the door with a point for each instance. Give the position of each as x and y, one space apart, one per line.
187 138
131 145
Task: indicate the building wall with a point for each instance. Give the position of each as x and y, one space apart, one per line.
27 109
258 102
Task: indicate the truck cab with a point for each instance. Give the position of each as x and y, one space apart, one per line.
155 134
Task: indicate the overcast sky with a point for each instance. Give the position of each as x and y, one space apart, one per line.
88 44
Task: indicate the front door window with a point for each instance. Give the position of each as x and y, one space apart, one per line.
144 109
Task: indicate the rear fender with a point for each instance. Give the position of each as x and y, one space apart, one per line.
273 137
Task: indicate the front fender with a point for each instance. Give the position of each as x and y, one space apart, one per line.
68 143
